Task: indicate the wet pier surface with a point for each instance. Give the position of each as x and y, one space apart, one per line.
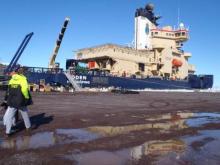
122 129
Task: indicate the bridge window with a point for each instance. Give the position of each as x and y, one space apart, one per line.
141 67
177 34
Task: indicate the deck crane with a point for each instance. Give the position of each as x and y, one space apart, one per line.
52 63
18 53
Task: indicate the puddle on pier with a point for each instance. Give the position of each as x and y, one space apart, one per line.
47 139
201 149
203 118
180 151
165 123
129 155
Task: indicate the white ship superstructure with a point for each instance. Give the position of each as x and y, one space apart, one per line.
156 52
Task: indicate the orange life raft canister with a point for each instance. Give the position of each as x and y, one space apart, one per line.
177 63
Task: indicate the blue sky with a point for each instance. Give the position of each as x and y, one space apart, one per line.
95 22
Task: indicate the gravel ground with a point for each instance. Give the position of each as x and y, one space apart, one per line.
73 128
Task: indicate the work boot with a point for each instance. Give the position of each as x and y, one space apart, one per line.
28 131
6 135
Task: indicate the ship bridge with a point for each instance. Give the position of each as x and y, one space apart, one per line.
153 53
178 35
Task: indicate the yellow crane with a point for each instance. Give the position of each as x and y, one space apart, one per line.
52 63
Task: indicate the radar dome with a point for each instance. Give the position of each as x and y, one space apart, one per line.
181 26
149 7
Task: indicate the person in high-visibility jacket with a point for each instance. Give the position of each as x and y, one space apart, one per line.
18 98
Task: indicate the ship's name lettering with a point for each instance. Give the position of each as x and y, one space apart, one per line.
82 82
80 77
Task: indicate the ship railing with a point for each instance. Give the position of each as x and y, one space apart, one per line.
43 70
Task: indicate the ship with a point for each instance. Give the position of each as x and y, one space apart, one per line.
155 61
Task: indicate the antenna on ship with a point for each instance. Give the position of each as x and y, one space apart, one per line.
178 17
130 44
180 25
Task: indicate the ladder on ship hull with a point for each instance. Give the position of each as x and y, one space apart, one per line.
73 82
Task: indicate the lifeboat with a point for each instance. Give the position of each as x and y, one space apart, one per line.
177 63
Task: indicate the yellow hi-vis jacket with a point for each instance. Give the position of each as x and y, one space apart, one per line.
18 79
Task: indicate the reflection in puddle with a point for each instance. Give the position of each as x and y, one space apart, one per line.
76 135
101 157
156 148
165 123
130 155
208 153
163 152
203 118
47 139
171 122
38 140
191 119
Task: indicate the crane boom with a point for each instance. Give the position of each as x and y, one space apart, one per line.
58 42
18 53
